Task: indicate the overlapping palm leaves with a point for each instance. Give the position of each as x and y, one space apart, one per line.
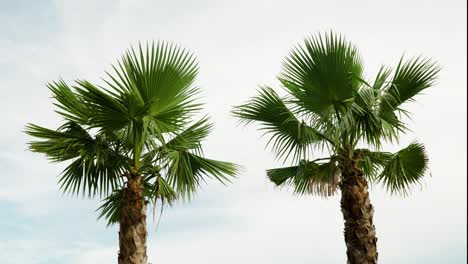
139 121
329 107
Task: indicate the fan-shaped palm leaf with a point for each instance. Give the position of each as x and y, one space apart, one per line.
405 168
288 134
308 177
323 74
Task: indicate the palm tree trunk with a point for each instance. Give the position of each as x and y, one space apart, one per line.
360 235
132 234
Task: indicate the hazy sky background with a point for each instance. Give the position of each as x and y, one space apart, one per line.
240 45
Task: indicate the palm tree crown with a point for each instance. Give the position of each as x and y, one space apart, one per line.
139 122
330 107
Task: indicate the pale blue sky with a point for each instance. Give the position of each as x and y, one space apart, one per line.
240 45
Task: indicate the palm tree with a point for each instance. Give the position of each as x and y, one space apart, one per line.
329 108
132 140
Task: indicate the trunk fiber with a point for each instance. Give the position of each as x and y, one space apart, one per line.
359 233
132 234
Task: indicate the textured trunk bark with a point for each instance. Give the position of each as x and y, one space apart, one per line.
360 235
132 234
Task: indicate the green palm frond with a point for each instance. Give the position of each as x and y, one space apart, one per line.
186 171
381 79
288 134
110 208
58 145
98 163
371 163
71 105
392 126
161 78
83 176
164 191
405 168
364 122
107 110
323 74
191 137
308 177
410 78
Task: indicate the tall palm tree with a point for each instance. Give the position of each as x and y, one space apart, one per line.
329 108
132 140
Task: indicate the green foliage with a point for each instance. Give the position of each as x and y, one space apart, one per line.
340 111
288 134
405 168
186 170
371 163
138 121
97 161
308 177
410 78
323 74
191 137
110 209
